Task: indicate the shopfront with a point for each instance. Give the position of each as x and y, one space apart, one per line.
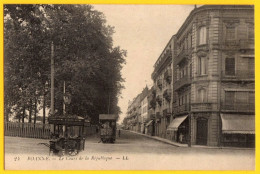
238 130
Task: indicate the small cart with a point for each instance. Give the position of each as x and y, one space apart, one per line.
67 134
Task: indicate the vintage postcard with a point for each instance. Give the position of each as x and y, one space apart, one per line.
129 87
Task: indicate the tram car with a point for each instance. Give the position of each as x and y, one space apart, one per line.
108 127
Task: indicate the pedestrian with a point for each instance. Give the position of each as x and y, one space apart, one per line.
119 132
181 137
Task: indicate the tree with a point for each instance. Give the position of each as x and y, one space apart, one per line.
84 57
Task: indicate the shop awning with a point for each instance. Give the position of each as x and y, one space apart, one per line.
150 122
176 123
238 124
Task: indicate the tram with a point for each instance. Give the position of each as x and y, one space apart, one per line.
108 127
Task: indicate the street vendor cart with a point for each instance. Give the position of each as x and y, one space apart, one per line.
67 134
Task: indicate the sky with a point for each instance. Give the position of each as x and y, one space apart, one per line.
143 31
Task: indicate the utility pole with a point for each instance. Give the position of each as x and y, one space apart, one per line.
64 92
189 143
52 79
108 103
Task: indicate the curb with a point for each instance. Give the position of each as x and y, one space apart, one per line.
185 145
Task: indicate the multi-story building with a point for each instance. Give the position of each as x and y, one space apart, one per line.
213 77
134 114
150 123
162 77
144 109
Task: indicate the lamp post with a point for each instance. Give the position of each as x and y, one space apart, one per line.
52 79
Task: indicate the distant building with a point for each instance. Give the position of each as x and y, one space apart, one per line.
144 109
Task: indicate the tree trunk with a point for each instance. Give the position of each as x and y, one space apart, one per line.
6 114
30 112
44 114
35 111
23 114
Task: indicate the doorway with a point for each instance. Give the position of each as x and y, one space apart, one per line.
202 131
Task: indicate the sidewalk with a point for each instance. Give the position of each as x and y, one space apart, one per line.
185 145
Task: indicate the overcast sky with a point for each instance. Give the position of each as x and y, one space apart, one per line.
144 31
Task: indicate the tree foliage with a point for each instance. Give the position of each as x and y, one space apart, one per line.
85 59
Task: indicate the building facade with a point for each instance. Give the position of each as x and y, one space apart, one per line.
162 78
213 76
144 109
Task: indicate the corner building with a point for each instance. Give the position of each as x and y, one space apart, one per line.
213 77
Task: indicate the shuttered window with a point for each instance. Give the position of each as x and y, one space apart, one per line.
202 66
241 97
230 33
229 97
251 66
202 95
242 31
202 35
251 98
251 33
230 66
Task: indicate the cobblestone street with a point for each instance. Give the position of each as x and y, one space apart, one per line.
129 152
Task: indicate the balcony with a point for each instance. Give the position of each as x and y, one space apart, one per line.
152 116
166 112
159 99
240 75
158 115
246 44
242 44
168 76
238 107
230 44
182 55
181 109
152 104
203 107
167 94
159 83
184 81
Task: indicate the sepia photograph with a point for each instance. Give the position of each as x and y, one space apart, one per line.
129 87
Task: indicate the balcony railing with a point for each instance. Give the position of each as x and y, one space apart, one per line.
203 107
167 94
158 115
184 81
240 107
240 75
242 44
166 112
152 103
159 83
181 109
168 75
159 99
246 44
152 116
182 55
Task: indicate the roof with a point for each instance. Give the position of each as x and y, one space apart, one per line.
108 116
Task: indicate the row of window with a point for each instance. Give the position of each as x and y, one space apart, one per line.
186 43
240 97
242 31
183 99
246 65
